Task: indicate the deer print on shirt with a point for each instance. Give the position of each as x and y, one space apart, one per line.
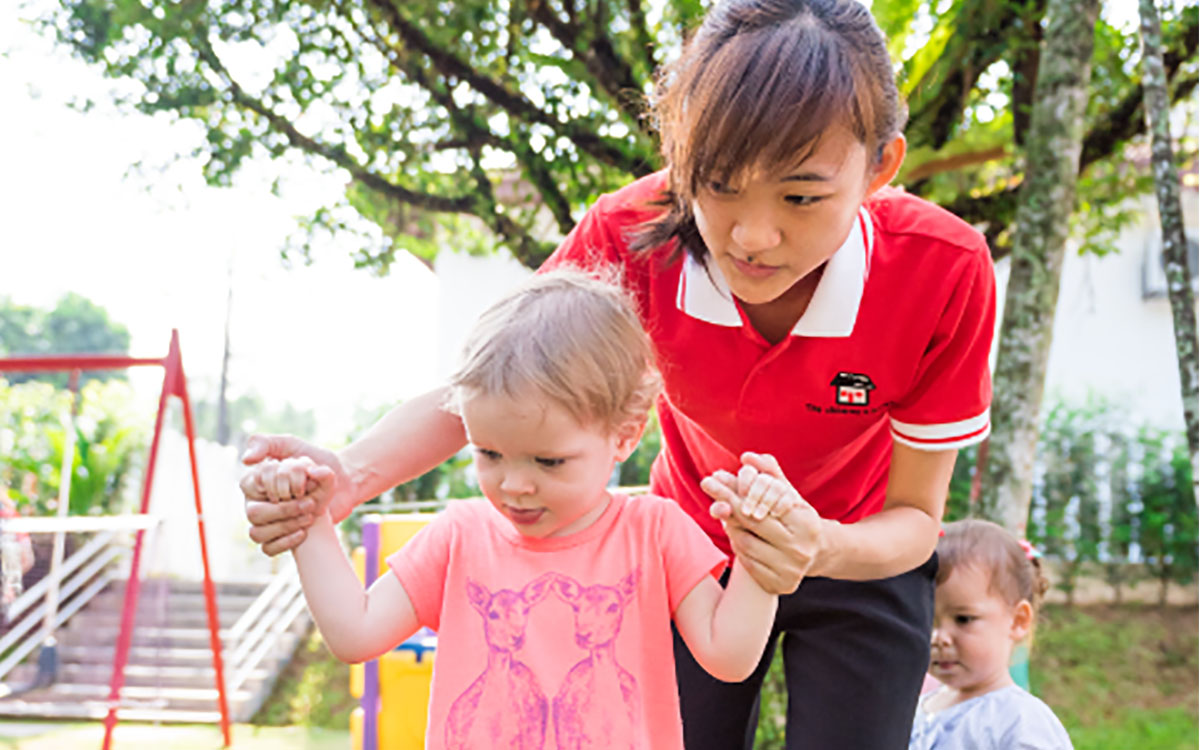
597 705
503 707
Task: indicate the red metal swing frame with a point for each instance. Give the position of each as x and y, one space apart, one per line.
174 384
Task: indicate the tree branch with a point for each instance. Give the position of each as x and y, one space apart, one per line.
334 153
973 48
474 136
598 56
1024 76
1126 120
513 102
528 251
950 163
641 32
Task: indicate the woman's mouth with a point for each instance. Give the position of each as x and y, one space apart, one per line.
753 270
524 516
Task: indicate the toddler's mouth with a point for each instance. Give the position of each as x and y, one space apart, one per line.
524 516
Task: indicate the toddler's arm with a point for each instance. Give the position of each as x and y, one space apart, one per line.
357 625
727 629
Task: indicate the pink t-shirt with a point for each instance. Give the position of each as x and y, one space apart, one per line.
555 642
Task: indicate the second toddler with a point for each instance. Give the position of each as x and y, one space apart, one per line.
988 589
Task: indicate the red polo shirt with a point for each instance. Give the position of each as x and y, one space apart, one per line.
893 346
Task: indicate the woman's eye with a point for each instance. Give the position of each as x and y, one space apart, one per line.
549 463
720 188
804 200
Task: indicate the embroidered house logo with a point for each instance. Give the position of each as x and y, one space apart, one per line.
852 389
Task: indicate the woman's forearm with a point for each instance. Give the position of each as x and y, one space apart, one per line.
904 533
408 441
893 541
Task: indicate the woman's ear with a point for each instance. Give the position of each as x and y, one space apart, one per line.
1022 624
628 436
891 156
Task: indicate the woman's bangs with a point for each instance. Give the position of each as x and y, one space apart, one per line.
763 102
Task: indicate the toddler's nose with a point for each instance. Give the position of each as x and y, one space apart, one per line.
516 483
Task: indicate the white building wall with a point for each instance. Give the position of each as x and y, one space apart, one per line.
1109 341
469 284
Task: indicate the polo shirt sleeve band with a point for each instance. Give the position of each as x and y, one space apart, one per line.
946 436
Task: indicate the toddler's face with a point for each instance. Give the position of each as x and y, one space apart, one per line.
539 467
974 631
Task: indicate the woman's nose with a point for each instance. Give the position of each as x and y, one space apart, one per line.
755 231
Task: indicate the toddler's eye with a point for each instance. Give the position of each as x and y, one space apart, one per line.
549 463
487 454
721 188
804 200
964 619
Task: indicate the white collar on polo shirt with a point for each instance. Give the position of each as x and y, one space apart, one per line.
704 294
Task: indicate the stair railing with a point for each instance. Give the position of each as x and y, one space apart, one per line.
257 633
87 571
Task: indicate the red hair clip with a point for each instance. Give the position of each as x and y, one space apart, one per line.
1031 552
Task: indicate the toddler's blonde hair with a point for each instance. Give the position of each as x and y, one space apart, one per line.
568 336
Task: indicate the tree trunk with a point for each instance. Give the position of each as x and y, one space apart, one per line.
1053 145
1166 185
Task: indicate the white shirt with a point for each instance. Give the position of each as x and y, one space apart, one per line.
1006 719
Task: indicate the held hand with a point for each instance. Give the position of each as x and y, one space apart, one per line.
777 551
282 497
762 494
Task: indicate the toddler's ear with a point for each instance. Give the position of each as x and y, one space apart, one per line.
1022 624
628 436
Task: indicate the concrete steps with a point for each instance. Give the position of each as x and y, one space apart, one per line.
169 676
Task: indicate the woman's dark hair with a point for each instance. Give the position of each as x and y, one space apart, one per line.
759 83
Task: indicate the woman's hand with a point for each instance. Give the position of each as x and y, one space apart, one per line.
291 482
780 537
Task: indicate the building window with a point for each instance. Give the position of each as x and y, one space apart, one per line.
1154 275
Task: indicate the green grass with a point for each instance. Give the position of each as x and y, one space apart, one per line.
313 691
1120 676
1162 729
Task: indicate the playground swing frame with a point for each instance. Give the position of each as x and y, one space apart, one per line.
174 384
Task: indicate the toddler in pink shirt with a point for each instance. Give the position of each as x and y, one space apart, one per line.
553 597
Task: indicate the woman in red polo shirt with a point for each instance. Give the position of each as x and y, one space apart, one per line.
810 323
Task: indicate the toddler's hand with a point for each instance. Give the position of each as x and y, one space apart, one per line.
761 494
277 480
777 550
751 494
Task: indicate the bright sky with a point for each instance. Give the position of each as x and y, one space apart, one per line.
155 251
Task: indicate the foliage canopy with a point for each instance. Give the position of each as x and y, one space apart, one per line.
519 113
75 325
